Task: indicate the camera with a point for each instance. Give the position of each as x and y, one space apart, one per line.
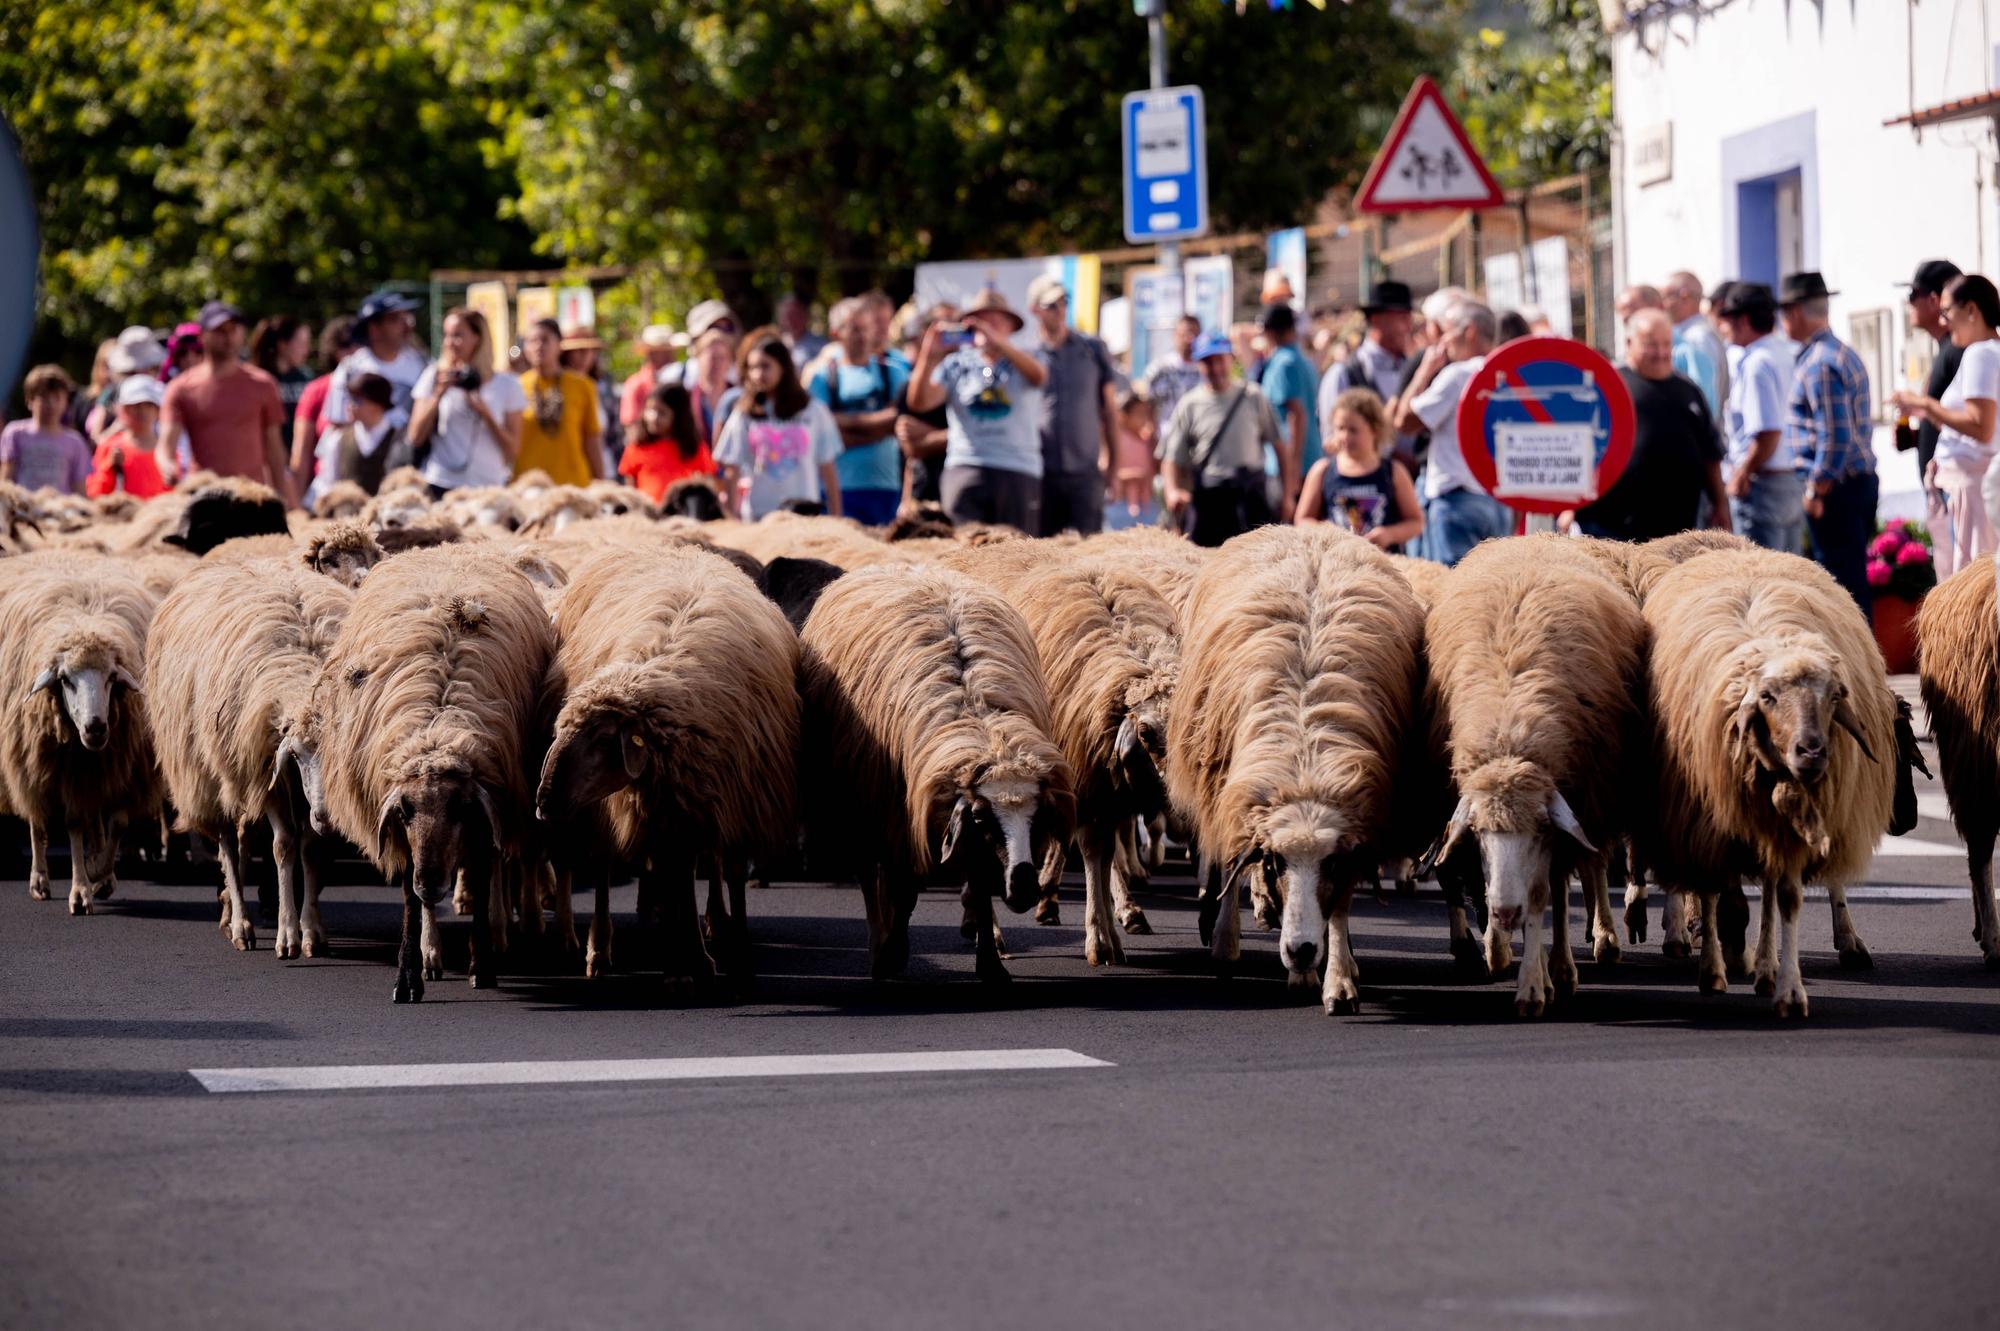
952 336
466 378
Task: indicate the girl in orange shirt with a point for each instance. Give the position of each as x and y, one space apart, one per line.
667 447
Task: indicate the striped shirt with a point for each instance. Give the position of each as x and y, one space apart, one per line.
1830 429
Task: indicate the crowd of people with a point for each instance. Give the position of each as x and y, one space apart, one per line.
1751 414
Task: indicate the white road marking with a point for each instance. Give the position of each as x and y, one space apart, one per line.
384 1075
1911 848
1933 805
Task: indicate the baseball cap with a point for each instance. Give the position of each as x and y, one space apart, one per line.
1045 291
1933 276
381 303
217 313
1212 344
141 388
707 315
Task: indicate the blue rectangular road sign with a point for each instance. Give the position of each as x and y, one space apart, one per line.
1166 165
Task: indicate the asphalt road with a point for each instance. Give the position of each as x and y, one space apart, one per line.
1642 1157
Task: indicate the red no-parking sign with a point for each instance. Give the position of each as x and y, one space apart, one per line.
1546 425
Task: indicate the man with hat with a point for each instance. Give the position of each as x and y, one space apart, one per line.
1833 431
381 335
709 316
1927 313
656 346
990 390
1078 417
1212 450
1377 364
1291 384
1766 494
230 410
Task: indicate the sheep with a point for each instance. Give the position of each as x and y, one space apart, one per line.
795 585
1299 673
197 517
1109 646
241 548
926 741
230 658
118 506
420 535
556 508
162 568
489 507
681 716
1958 641
1170 562
417 738
18 513
1758 658
530 485
341 500
343 551
616 500
76 745
922 521
835 540
391 510
404 479
697 497
1536 672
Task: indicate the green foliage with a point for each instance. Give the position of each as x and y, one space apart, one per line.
1536 98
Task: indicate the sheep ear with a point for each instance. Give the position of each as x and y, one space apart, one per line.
961 813
1742 734
45 680
1843 716
492 814
1440 851
1906 738
392 814
288 751
1238 865
124 677
1565 818
632 748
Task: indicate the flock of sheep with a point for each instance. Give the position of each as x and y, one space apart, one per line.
504 696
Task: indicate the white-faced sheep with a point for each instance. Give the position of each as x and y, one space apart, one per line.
76 748
1109 645
341 501
679 726
615 500
418 737
550 511
1300 663
1773 719
1537 673
927 742
1958 635
493 508
394 510
230 659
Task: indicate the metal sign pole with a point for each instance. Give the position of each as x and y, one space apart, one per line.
1156 43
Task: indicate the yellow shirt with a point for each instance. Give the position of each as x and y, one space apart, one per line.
558 449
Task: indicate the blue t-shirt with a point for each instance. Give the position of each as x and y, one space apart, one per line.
991 412
1288 378
870 387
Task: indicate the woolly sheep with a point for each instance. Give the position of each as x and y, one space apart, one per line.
926 741
200 515
343 551
616 500
391 510
18 514
231 656
681 716
341 500
556 508
1958 636
1536 667
490 507
1299 669
420 728
1758 659
1170 562
76 745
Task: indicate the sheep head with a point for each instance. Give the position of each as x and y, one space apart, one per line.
1521 822
437 820
297 757
1010 824
1792 697
344 552
1303 851
85 675
597 752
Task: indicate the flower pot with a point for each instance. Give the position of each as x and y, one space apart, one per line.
1895 631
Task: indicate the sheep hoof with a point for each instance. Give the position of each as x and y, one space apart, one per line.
409 988
1470 961
38 889
1344 1004
1563 980
103 891
79 901
992 972
1205 915
1134 921
1103 949
245 939
1767 983
461 900
433 969
1529 1007
1677 948
483 979
1049 912
1714 982
596 965
1993 958
1635 923
1606 951
1406 887
1789 1008
314 944
1854 957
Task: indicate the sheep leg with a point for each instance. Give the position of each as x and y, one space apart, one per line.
312 933
1340 991
1100 939
79 871
461 895
482 945
1985 917
1597 904
1853 952
1465 949
547 879
685 961
1732 916
1765 969
597 959
38 860
1128 867
409 956
1673 922
229 848
1049 909
1713 976
1227 948
898 899
987 955
715 915
496 913
284 859
735 943
874 900
1791 998
1635 911
1208 898
433 946
1561 967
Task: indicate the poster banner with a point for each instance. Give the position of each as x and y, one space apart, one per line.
1211 291
1157 301
1286 251
576 307
490 300
532 303
1549 293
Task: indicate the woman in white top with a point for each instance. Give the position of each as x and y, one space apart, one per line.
470 416
1965 420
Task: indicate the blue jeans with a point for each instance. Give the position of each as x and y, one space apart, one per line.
1840 534
870 508
1457 520
1773 514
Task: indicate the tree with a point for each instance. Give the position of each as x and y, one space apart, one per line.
1536 99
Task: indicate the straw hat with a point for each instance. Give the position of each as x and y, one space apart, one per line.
990 301
580 339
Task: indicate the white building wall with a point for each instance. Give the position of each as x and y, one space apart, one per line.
1758 87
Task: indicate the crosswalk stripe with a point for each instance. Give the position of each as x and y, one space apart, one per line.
1912 848
381 1076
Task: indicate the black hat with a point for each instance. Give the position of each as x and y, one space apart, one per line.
1277 317
1933 276
1387 296
1802 286
1748 298
381 303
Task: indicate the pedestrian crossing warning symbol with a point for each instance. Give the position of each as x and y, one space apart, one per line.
1426 161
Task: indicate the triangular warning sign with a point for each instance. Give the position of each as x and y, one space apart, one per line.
1426 162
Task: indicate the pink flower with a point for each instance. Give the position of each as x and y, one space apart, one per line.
1913 554
1895 524
1885 545
1878 573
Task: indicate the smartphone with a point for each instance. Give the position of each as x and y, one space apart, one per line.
953 336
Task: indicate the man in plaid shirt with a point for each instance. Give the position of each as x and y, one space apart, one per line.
1831 430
